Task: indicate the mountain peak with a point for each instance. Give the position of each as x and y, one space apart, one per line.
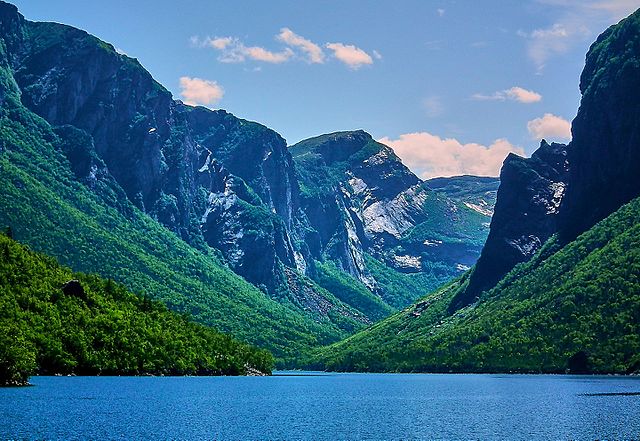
335 147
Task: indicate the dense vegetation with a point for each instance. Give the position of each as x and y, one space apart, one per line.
54 321
93 228
575 307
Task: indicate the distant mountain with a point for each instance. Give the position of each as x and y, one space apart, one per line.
556 286
476 192
370 211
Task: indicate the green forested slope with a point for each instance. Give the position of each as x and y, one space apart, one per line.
96 327
574 308
100 231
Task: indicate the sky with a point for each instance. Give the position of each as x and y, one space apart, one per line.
452 86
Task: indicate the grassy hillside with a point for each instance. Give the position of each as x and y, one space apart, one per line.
96 327
575 308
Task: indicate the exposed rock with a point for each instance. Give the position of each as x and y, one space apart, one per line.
568 189
73 288
605 150
182 165
525 216
385 210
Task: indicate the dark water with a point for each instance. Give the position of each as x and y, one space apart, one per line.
327 406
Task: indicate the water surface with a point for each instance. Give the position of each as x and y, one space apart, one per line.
324 406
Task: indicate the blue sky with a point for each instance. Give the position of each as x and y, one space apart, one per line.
452 86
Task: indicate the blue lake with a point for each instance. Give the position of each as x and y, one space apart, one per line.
323 406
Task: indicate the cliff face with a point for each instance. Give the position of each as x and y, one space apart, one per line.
363 201
568 189
348 180
605 151
223 183
526 211
206 175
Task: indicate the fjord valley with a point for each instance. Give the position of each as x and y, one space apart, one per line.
172 270
329 253
556 286
212 215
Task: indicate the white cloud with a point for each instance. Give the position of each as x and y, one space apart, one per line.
352 56
549 126
232 50
515 93
440 12
431 156
197 91
220 43
523 95
313 51
260 54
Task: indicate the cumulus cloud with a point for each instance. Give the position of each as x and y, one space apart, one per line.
514 94
261 54
350 55
313 52
221 43
197 91
430 156
232 50
523 95
549 126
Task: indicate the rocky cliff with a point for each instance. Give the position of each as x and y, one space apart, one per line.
526 210
231 188
182 165
604 153
363 201
568 189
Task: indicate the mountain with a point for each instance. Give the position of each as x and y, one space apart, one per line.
369 212
556 286
574 308
477 192
99 182
525 216
101 168
53 321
